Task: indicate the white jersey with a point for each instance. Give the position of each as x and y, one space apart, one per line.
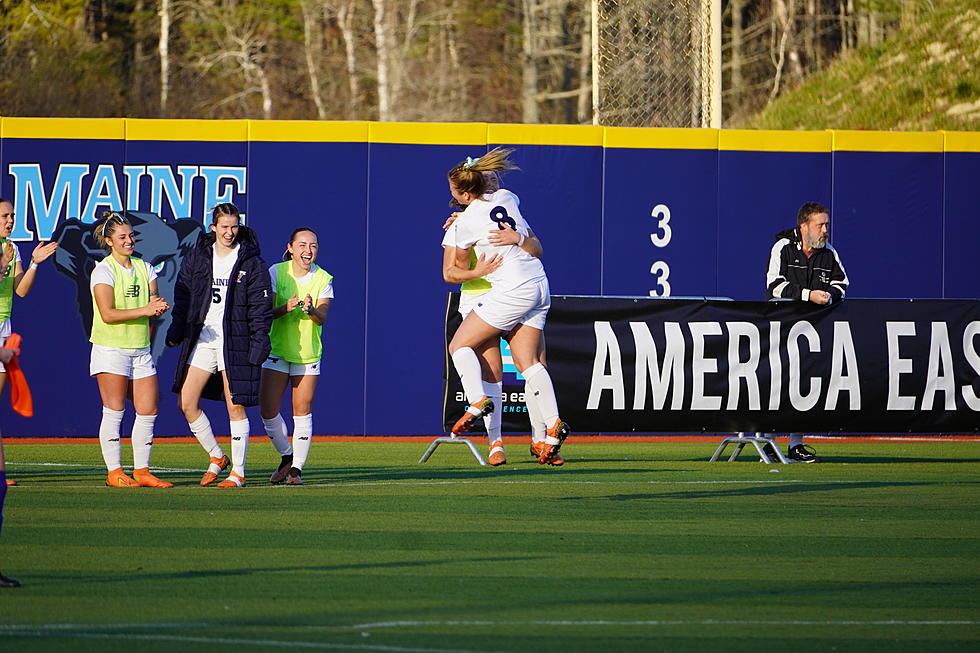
326 293
213 331
473 226
104 274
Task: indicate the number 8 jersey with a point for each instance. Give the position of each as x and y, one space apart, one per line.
497 211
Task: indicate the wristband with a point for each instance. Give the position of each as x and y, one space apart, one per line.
520 243
33 265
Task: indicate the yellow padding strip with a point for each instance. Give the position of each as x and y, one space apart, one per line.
138 129
759 140
429 133
868 141
544 135
308 131
71 128
962 141
665 139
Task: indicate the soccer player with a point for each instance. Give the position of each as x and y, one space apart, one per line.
517 303
474 285
302 292
124 298
222 314
13 277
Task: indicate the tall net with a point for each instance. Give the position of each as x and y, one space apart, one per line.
653 63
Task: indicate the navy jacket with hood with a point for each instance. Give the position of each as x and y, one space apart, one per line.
248 316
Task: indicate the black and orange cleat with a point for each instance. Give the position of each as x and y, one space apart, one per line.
549 452
473 412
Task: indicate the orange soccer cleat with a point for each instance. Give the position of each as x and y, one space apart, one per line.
118 478
473 412
497 456
549 452
233 480
209 476
11 482
555 458
146 479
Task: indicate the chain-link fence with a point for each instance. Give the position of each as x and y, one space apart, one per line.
653 63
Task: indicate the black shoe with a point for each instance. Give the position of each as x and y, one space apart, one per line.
8 582
770 451
279 475
295 477
803 454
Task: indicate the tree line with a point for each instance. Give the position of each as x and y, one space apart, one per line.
407 60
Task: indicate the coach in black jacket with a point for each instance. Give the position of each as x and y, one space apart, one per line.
247 319
804 267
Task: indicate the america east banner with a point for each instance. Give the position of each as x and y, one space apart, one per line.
625 365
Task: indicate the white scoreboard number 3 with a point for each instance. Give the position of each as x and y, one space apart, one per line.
660 237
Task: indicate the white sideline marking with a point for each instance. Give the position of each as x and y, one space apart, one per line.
659 622
237 641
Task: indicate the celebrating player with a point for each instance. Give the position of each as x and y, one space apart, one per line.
474 285
302 295
222 314
13 277
124 298
517 303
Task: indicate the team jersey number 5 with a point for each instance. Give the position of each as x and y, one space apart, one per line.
215 295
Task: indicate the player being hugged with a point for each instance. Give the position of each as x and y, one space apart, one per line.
517 303
124 298
302 292
222 314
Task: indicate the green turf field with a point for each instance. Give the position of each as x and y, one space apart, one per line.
629 547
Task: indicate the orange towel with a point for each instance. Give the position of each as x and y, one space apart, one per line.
20 393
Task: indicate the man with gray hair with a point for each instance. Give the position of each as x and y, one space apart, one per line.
804 267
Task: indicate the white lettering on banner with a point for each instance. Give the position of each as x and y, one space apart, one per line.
607 354
648 367
701 366
940 355
798 400
663 372
65 199
898 365
775 366
747 369
843 355
973 358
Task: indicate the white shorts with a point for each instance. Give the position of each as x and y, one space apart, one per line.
5 332
131 363
277 364
208 357
468 301
526 304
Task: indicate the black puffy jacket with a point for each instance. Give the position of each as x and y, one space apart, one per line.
248 316
789 272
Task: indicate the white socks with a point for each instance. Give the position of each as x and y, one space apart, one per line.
142 440
302 438
467 365
239 445
538 383
538 427
201 428
494 391
109 437
795 439
275 428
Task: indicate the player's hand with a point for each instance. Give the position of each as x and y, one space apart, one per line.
450 220
171 343
819 297
43 251
505 236
157 306
6 354
485 266
308 304
292 303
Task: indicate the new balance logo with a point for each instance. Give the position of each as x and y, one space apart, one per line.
236 438
133 291
304 437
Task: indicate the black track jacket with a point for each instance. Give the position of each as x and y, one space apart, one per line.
789 273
